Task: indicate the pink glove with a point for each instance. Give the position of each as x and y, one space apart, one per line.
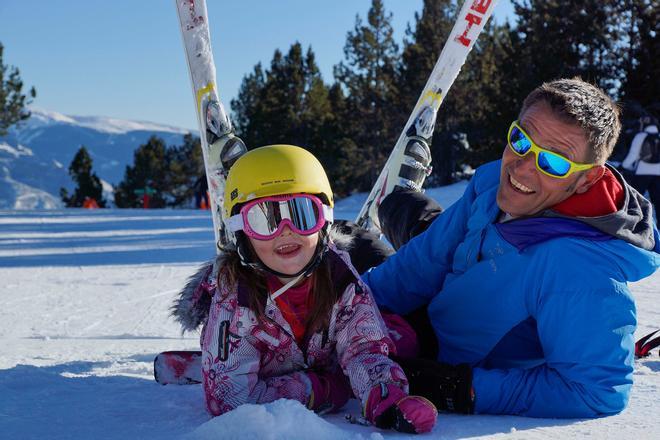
330 391
388 406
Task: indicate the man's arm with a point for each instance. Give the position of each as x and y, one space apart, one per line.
412 276
587 338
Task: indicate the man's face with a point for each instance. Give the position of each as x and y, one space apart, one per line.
523 189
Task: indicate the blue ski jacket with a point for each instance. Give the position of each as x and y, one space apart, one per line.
539 306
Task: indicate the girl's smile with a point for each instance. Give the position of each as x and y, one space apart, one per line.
288 253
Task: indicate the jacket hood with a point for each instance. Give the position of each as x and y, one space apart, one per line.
191 308
632 222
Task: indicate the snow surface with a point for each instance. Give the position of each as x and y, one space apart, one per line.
84 298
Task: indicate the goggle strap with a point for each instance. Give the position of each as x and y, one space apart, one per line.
234 223
284 288
328 214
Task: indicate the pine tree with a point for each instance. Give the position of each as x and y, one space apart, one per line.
316 112
149 171
642 64
563 38
246 107
185 165
12 101
368 78
282 98
88 185
288 103
338 144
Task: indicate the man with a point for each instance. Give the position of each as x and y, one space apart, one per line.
524 278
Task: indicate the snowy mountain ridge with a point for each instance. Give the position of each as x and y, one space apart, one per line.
35 155
41 117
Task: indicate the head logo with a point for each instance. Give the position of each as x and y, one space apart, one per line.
480 7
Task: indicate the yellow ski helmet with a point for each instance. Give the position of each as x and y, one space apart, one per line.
275 170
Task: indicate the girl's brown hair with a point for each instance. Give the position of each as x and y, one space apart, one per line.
323 292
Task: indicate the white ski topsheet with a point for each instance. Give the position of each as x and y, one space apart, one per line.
470 22
193 20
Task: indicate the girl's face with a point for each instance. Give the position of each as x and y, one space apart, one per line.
287 253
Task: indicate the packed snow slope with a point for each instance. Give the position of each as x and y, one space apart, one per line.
84 298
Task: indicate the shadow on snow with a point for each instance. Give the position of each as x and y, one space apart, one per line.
76 237
63 401
73 401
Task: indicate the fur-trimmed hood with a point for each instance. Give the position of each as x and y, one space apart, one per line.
191 308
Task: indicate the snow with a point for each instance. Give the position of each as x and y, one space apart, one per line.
9 149
84 299
17 151
21 196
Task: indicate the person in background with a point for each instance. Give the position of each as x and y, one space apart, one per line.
643 161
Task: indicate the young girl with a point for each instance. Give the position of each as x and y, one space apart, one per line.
285 315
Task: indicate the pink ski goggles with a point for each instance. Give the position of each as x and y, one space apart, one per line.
264 218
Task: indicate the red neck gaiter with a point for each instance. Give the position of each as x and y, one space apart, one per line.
604 197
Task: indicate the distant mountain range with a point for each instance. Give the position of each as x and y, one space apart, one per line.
35 157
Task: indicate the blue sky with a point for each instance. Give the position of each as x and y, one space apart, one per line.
124 59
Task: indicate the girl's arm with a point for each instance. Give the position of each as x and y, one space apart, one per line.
363 345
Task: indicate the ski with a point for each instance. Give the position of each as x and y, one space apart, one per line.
410 161
644 346
178 367
220 146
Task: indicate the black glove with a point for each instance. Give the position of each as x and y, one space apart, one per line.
449 387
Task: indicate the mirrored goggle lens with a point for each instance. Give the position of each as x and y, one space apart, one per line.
553 164
519 142
265 217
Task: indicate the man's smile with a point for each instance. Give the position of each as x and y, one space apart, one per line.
519 186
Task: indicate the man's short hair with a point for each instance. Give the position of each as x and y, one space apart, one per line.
584 104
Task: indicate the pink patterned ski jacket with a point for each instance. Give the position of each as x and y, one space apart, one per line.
250 361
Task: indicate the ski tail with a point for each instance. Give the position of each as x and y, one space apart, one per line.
410 161
644 346
220 146
178 367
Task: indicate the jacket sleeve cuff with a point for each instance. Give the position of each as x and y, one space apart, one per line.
486 390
